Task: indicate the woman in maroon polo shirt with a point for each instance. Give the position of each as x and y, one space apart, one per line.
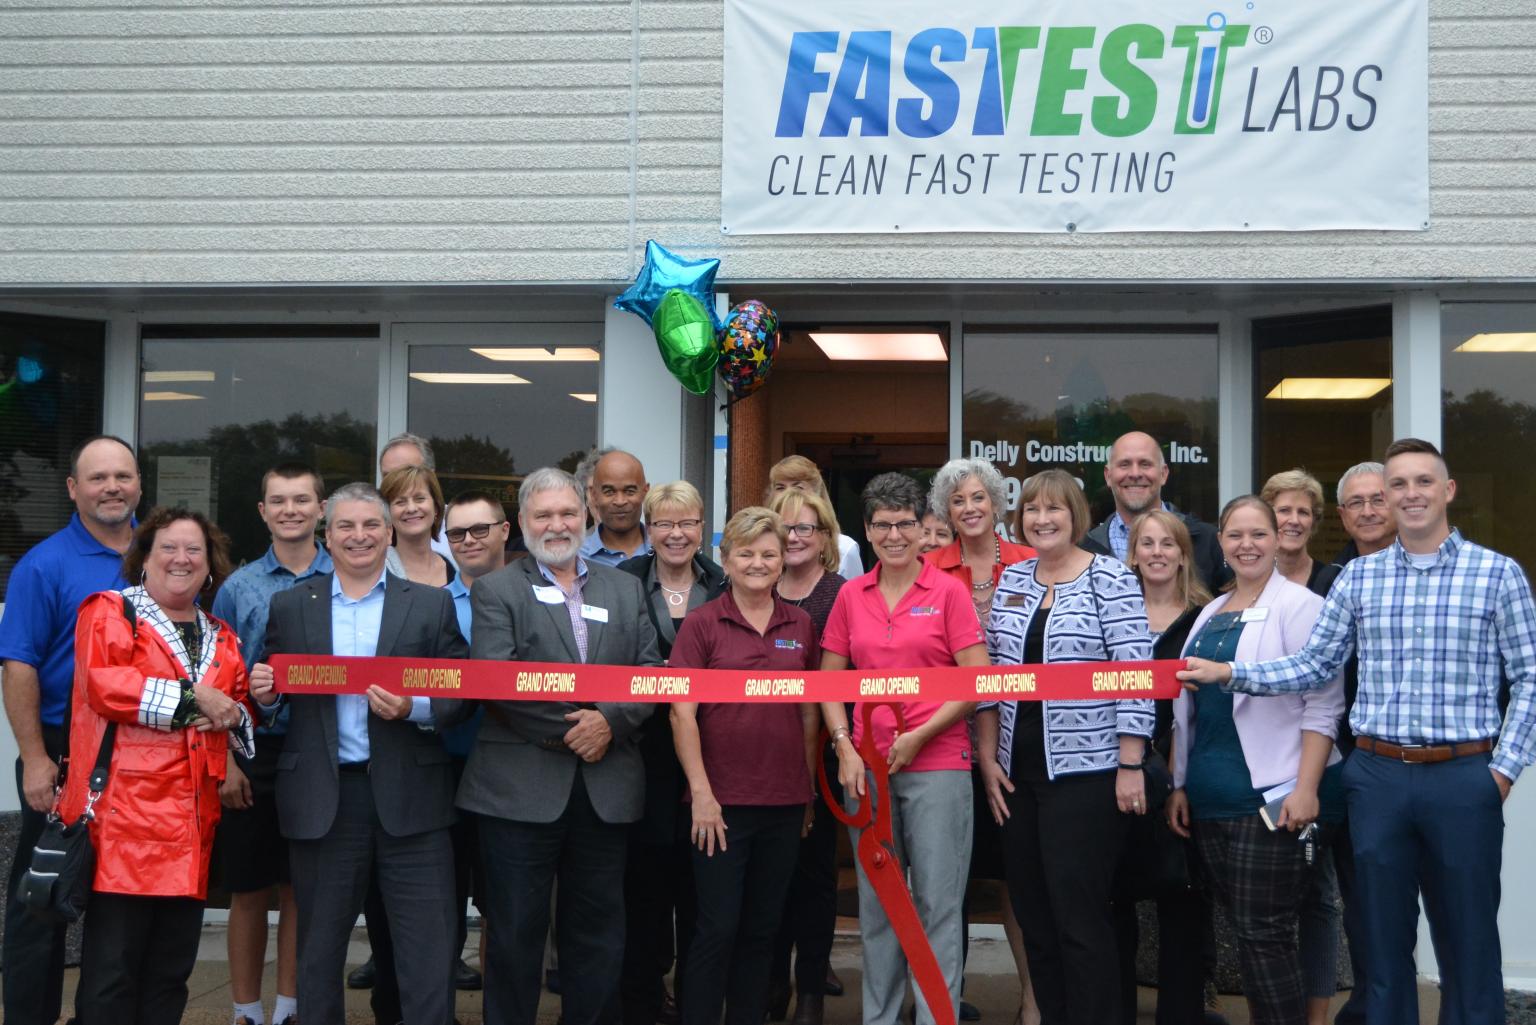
749 774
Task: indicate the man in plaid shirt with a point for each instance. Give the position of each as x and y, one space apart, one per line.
1438 623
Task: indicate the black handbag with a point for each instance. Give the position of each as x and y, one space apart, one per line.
58 884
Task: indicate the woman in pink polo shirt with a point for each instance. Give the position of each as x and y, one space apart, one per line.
749 774
906 614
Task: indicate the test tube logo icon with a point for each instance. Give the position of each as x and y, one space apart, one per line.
1204 69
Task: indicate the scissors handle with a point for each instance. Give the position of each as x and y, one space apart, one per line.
862 817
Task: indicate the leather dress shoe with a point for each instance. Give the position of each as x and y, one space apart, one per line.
465 977
363 975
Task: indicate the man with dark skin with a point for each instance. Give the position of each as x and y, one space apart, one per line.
616 494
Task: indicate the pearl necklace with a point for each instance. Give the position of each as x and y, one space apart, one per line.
997 549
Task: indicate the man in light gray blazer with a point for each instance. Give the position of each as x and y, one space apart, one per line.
555 782
364 785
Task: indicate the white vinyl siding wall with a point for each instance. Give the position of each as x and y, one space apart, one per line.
223 142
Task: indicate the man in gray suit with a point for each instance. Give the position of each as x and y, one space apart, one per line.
555 782
364 786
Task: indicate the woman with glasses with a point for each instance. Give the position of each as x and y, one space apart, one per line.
658 880
797 473
907 614
810 582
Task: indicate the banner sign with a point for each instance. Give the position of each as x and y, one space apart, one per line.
1075 115
552 681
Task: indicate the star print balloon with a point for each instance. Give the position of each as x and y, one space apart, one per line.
747 347
685 333
663 272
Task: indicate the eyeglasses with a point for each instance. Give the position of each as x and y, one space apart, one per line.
904 526
803 529
1357 503
667 526
479 531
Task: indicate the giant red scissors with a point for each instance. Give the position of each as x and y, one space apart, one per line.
877 854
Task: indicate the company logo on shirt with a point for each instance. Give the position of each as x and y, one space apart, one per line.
788 644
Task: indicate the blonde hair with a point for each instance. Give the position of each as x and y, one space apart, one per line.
789 504
400 482
797 469
678 495
750 524
1296 480
1191 587
1061 486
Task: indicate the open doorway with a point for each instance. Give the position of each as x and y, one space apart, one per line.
857 400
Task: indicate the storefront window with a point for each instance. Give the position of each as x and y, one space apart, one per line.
221 403
1036 399
1322 401
50 401
502 400
1488 379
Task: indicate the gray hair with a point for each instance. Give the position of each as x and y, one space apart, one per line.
953 473
422 445
891 491
1358 470
357 491
588 466
548 478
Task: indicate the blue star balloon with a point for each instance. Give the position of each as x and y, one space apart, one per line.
663 272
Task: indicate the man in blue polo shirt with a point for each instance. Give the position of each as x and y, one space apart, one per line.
251 851
37 646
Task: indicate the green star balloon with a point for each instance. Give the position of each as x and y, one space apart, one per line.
685 333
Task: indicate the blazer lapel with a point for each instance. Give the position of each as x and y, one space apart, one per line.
398 594
316 613
556 612
598 595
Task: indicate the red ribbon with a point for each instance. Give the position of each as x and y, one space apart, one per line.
555 681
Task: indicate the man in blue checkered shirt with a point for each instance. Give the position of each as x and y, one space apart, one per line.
1439 623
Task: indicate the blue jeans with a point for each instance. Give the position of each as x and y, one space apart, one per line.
1436 829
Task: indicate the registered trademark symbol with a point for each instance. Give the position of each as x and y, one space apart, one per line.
1263 35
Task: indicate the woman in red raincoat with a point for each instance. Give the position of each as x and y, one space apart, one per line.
171 677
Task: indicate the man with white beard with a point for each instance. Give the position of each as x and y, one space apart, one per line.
554 783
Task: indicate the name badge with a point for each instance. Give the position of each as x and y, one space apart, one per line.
549 595
1014 600
592 612
1255 615
924 610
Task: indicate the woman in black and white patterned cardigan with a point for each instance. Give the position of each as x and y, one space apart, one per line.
1062 776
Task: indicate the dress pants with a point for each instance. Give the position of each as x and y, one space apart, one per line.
415 878
138 954
810 917
931 825
741 891
1342 849
1437 830
34 948
522 861
1062 842
659 913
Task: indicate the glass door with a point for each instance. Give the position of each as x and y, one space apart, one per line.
499 400
1058 396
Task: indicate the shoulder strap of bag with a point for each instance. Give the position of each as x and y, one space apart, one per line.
98 779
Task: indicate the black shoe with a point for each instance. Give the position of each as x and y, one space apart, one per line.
465 977
552 981
834 986
363 975
968 1011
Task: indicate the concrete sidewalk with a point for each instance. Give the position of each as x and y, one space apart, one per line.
990 984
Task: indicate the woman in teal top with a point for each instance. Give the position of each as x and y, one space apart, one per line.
1230 750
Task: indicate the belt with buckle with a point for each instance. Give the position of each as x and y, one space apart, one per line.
1423 753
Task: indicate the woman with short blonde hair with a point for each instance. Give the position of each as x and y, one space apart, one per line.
416 510
1297 500
797 473
749 774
